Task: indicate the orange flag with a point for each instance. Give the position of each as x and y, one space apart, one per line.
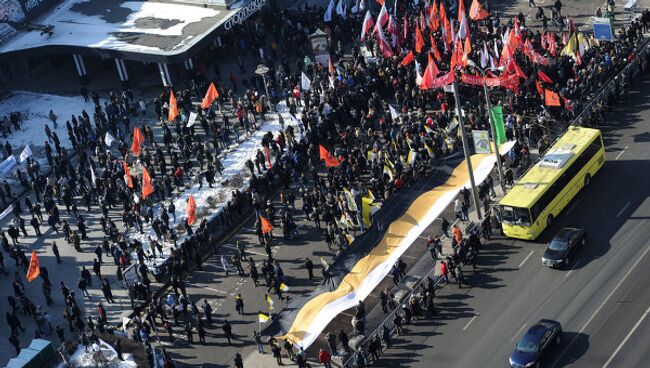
436 53
419 40
210 96
266 225
461 10
147 187
408 59
173 107
191 210
476 12
380 2
127 175
34 269
138 139
330 160
551 98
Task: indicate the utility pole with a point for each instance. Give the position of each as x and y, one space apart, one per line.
466 151
494 135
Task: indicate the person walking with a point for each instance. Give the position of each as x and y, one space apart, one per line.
107 291
277 353
239 362
444 272
55 250
309 265
325 358
227 331
239 304
257 338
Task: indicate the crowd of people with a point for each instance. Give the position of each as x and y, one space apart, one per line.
381 130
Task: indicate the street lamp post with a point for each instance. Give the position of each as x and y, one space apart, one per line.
262 70
466 151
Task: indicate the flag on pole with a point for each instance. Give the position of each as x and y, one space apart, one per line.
305 83
9 210
125 323
34 268
499 126
324 263
108 139
340 9
327 17
476 12
543 77
269 301
263 317
368 23
93 177
211 95
192 119
147 187
551 98
419 40
127 175
267 227
382 18
384 46
173 107
330 160
393 113
25 154
138 139
408 59
191 210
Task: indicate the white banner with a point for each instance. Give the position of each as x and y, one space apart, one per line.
8 164
305 83
25 154
192 119
108 139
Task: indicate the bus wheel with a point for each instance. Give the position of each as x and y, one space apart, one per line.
549 220
587 180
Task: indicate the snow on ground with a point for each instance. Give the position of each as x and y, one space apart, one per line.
102 355
210 202
73 28
35 109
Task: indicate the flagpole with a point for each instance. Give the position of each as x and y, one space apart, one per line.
466 151
494 135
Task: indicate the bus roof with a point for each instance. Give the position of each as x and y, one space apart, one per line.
547 170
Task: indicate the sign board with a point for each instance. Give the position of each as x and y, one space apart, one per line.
603 30
130 275
243 13
481 141
320 47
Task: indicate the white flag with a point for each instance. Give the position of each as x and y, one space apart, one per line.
108 139
8 164
92 176
25 154
305 83
327 17
125 321
340 10
192 119
355 8
362 5
418 73
393 113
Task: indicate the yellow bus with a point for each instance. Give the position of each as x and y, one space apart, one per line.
549 185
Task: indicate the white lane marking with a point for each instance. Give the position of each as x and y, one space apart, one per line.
629 334
623 210
525 259
572 269
611 293
245 250
470 322
518 332
215 290
621 153
572 206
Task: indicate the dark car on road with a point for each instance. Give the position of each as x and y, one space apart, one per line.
562 246
535 343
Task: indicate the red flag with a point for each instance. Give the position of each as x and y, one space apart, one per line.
382 18
543 77
518 70
540 89
567 103
461 10
408 59
267 227
147 187
380 2
434 22
476 12
438 82
127 175
173 107
191 210
330 161
138 139
419 40
551 98
210 96
268 157
468 45
34 269
434 48
367 24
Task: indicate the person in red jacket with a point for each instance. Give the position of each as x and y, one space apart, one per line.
444 271
324 358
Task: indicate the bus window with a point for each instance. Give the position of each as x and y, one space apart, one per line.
516 215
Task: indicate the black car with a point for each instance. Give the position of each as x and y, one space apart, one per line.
563 244
535 342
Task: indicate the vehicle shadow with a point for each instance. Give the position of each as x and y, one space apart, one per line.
579 344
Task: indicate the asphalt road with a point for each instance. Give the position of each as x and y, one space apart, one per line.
602 299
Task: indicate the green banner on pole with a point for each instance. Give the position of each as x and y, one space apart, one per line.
499 126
